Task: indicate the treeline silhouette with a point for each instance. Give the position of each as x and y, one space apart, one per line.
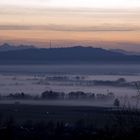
53 95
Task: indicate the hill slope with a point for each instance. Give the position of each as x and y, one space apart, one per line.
76 54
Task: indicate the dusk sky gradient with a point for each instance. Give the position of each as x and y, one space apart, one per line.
107 23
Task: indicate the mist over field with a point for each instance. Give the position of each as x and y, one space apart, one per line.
92 79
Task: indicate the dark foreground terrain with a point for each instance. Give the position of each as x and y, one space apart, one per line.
42 122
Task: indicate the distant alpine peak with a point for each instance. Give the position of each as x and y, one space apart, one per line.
8 47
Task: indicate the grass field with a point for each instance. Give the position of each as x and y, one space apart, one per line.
55 113
42 122
99 116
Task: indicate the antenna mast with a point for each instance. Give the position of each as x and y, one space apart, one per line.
50 44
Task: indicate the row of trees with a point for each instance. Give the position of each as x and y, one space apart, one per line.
76 95
52 95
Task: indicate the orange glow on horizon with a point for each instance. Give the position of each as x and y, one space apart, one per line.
36 22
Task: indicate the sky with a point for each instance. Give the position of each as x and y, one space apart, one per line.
107 23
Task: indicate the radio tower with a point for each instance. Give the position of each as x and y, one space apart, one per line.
50 44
